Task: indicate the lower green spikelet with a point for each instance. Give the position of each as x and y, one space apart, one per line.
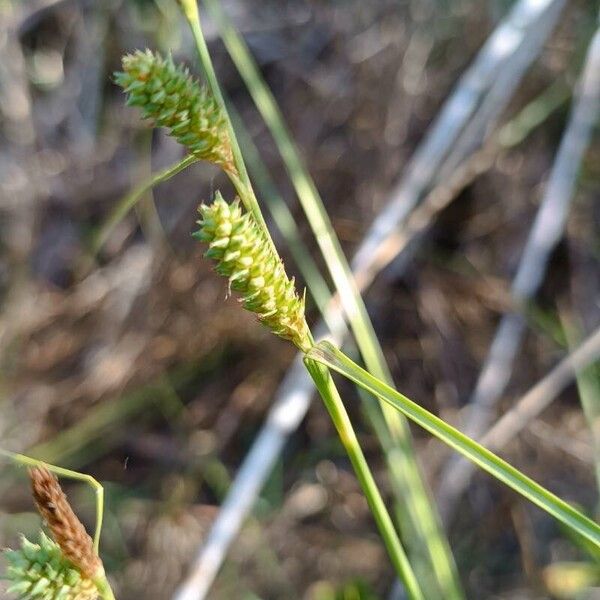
41 572
244 255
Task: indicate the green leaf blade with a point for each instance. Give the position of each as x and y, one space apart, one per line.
329 355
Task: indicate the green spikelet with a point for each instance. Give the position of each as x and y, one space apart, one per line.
244 255
41 572
169 96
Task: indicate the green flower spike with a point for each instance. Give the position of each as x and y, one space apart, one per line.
169 96
41 572
244 255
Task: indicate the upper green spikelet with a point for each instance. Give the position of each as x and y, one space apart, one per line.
244 255
170 97
41 572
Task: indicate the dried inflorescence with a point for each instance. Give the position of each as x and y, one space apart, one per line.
245 256
67 530
42 572
169 96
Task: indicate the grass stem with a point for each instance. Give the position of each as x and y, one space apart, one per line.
240 180
341 421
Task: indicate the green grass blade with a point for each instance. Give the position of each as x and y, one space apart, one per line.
421 521
329 355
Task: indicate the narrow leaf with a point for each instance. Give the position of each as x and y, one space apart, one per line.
329 355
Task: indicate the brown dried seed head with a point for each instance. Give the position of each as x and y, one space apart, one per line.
67 530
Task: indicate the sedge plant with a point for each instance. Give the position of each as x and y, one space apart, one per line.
239 242
424 532
66 566
417 501
417 515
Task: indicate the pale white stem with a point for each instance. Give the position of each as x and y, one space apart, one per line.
424 167
547 230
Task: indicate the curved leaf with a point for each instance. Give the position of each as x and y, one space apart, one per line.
329 355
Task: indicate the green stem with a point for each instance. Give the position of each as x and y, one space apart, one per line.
343 425
240 180
128 201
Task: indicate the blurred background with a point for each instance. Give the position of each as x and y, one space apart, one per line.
127 362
